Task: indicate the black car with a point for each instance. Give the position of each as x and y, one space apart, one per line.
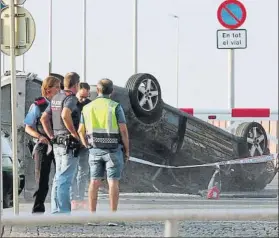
7 172
165 135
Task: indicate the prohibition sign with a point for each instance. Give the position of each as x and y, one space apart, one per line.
231 14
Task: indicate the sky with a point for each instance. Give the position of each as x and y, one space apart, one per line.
203 69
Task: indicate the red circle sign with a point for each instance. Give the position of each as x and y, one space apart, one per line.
231 14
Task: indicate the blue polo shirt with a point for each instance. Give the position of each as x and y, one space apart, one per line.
33 115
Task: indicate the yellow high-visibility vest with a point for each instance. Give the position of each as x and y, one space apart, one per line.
101 124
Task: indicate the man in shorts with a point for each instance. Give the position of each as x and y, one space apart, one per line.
103 129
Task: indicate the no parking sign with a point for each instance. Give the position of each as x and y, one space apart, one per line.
231 14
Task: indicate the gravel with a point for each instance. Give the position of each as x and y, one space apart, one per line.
149 229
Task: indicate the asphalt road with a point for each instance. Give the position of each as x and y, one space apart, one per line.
147 229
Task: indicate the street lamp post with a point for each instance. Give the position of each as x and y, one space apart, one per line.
84 43
177 60
50 38
135 38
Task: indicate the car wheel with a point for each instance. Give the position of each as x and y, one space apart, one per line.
145 96
255 177
21 184
7 190
7 200
256 137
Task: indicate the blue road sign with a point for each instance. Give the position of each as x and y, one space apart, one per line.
2 5
231 14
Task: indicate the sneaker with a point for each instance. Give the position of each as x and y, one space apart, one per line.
116 224
112 224
93 223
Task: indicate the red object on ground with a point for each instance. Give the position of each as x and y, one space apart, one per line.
213 193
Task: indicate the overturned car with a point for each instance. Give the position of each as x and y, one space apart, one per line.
163 135
166 135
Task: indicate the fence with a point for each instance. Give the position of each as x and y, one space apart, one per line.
171 217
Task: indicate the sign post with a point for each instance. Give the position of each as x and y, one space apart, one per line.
231 14
15 43
1 172
13 97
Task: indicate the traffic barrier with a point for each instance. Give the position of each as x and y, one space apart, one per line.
171 217
237 115
234 114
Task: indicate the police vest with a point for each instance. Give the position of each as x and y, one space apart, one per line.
56 110
42 104
101 124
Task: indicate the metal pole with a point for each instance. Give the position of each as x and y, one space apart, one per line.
177 59
1 172
171 228
22 64
231 81
50 38
4 66
135 37
22 59
84 43
13 96
177 64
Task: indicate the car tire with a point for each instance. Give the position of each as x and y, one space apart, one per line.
254 177
7 190
6 200
21 184
256 137
145 97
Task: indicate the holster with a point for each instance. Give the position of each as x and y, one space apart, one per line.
70 143
30 145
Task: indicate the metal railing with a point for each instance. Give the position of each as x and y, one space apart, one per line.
171 217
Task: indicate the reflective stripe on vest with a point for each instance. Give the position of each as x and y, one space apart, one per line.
101 123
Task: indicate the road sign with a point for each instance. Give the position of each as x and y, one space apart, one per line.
2 5
231 14
25 33
232 39
16 2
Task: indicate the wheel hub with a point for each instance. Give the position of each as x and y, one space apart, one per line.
256 139
148 95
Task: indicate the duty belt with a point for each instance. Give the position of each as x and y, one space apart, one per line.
69 142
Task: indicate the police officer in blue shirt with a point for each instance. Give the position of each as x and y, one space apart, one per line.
50 87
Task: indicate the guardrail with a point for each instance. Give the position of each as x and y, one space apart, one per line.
171 217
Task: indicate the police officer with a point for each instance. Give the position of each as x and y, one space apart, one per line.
103 123
81 177
65 116
50 87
